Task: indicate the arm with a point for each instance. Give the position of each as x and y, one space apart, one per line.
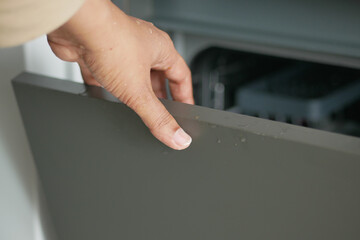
23 20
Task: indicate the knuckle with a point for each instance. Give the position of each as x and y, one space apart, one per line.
160 121
168 43
113 86
166 36
90 61
182 95
135 102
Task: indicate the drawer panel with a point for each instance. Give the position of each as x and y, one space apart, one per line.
106 177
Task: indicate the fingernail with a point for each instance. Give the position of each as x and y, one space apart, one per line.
181 138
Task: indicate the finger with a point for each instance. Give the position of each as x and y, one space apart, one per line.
180 82
179 75
161 124
158 84
87 75
153 113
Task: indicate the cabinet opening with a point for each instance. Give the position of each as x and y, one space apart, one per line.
321 96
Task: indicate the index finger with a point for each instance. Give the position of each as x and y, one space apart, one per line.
178 73
180 81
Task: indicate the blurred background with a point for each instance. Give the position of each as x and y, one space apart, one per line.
295 61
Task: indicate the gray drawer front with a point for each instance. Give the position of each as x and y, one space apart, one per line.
106 177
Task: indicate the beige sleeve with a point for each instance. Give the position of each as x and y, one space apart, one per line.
23 20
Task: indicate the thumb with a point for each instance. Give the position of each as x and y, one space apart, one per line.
155 116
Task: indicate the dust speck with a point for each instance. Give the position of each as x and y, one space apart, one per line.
242 125
84 93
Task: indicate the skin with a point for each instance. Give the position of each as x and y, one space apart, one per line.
130 58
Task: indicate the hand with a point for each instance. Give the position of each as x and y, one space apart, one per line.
130 58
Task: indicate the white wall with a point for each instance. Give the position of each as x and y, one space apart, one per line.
20 211
40 59
23 213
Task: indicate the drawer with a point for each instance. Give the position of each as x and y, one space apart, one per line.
106 177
